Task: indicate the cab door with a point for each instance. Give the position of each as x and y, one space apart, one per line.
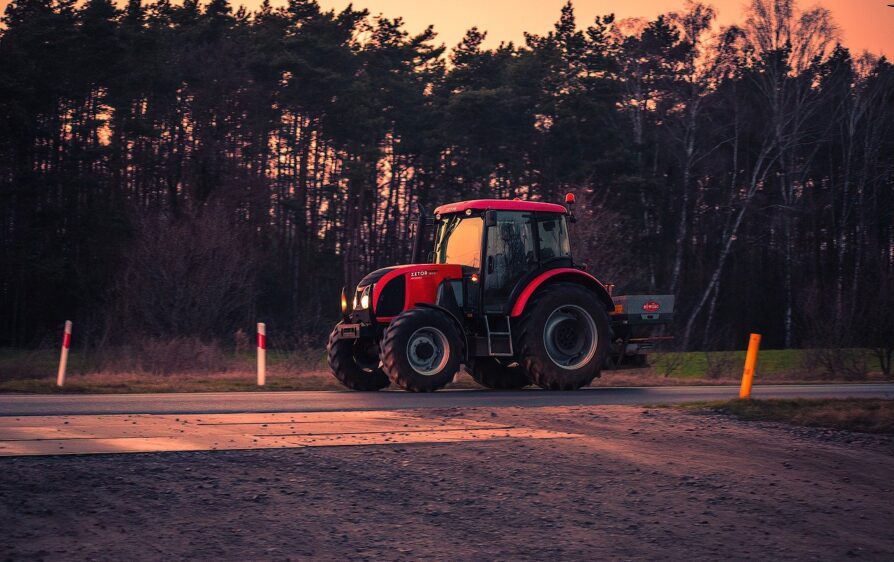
510 254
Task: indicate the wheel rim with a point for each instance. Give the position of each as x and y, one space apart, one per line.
570 336
428 351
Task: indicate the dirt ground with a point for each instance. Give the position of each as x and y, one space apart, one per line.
636 483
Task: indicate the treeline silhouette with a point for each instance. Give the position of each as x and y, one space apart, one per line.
186 170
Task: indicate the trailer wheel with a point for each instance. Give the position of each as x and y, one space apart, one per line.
422 350
563 337
355 363
490 373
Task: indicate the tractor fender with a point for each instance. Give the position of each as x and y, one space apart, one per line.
568 274
459 325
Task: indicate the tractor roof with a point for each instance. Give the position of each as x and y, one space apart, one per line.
500 205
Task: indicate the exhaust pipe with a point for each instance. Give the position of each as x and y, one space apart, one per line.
420 234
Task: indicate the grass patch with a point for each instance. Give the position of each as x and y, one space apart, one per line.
694 364
867 415
182 365
778 363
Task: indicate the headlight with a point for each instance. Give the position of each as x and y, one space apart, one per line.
344 302
362 297
354 304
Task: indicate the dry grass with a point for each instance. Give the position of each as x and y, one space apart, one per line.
868 415
232 381
172 365
190 365
284 377
112 383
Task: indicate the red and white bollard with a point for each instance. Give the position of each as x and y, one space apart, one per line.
262 354
63 359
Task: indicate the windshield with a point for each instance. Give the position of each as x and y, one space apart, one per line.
459 240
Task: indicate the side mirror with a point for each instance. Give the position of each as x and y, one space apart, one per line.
490 218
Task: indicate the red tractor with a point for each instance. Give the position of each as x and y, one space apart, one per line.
501 294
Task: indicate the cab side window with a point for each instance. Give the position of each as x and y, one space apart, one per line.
553 235
510 254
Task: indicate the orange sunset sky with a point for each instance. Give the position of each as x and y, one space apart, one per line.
865 24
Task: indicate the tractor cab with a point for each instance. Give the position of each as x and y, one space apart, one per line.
503 243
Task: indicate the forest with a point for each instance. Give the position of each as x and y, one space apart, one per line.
186 169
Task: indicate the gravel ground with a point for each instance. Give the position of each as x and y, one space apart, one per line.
637 484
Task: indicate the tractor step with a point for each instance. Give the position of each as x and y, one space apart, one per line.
499 336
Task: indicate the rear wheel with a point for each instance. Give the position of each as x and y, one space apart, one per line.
355 363
422 350
490 373
563 337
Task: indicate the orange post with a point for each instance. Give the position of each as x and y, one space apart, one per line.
754 344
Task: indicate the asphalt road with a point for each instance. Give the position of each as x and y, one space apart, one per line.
235 402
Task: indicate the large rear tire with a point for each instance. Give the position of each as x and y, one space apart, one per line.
490 373
355 363
422 350
563 337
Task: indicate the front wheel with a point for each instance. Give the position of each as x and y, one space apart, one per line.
422 350
563 337
355 363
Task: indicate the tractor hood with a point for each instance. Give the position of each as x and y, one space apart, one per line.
418 270
403 286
